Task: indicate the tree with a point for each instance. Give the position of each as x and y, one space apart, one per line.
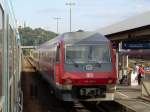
34 37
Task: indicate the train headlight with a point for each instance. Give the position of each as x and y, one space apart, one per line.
67 84
67 87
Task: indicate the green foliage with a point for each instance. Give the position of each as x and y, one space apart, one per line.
34 37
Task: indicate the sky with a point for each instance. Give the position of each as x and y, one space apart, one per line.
87 15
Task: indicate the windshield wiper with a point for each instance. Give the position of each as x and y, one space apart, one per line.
74 63
96 63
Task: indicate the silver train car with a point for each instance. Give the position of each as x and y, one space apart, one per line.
10 60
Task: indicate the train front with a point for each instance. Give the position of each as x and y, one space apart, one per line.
89 68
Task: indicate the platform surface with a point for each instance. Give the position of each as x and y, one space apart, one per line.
130 97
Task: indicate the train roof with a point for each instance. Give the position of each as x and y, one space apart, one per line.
83 36
78 37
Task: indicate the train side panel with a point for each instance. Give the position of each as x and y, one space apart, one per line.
10 64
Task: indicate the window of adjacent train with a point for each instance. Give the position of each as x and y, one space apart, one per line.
11 49
1 47
57 54
87 54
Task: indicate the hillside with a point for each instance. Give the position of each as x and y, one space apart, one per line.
34 37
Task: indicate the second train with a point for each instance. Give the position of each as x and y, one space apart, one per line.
79 66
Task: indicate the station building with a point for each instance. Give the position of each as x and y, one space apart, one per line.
130 38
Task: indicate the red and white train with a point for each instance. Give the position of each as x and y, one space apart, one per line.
79 66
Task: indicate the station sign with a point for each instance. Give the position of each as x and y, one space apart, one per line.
136 45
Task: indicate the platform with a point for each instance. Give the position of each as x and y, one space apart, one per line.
130 97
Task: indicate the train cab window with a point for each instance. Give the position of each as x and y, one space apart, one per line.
1 46
57 54
87 54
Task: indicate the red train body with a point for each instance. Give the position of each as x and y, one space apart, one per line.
79 66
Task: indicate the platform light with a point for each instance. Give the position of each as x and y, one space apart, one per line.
57 19
70 4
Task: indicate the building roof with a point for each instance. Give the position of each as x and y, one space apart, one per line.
137 21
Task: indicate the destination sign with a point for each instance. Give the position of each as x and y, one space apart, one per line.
136 45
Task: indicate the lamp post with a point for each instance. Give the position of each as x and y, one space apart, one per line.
70 4
57 19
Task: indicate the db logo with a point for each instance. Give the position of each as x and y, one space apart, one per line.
89 75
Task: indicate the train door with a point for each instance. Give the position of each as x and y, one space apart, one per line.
11 46
15 64
1 53
57 65
15 73
51 62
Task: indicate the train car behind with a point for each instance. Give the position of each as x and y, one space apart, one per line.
79 66
11 96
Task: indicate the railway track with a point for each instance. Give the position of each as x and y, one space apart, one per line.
38 96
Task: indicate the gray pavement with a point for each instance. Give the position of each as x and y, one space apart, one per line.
130 97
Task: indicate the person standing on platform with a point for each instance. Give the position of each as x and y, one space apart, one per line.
135 73
140 74
136 69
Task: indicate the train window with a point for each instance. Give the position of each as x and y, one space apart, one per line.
87 54
15 51
1 106
10 98
1 109
1 46
11 52
100 53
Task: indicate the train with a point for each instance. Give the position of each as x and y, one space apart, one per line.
10 60
79 66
